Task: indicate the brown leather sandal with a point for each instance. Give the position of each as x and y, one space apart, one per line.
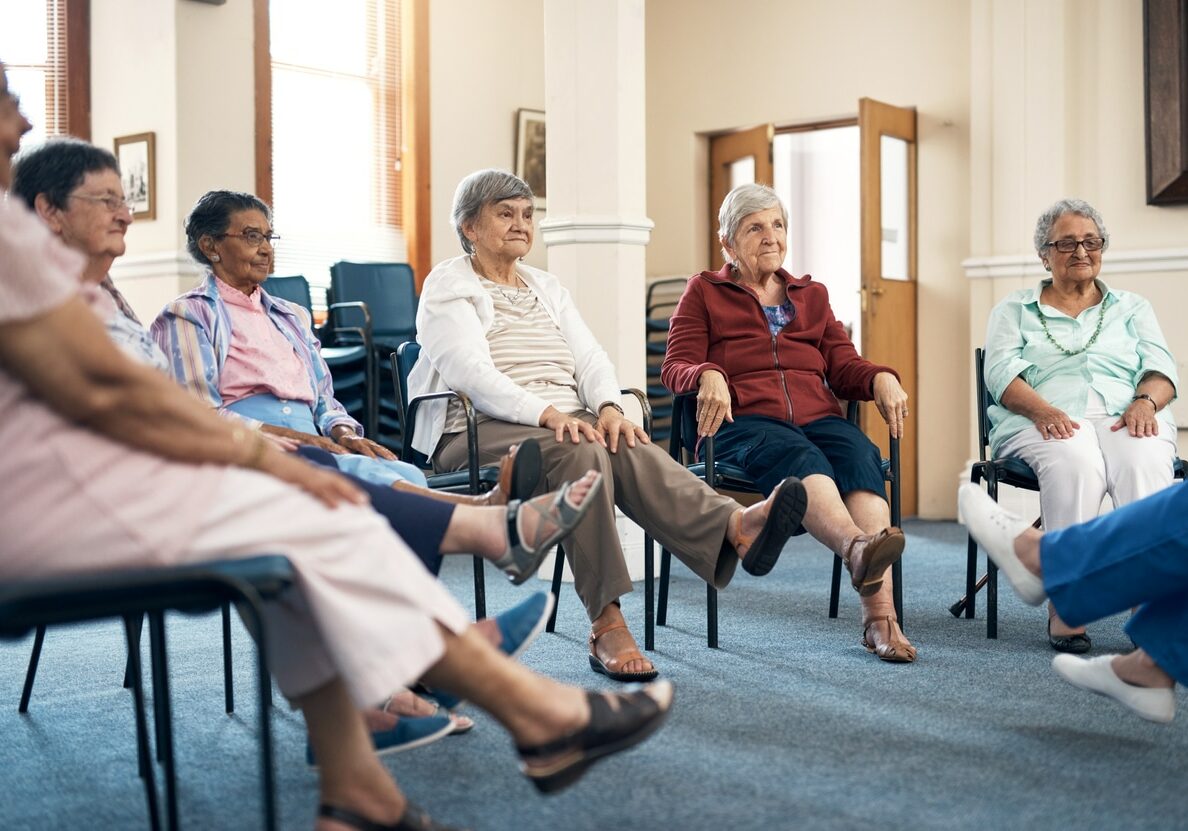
601 667
898 650
414 819
868 556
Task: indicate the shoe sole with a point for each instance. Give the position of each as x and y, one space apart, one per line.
598 666
884 556
537 628
525 473
413 745
787 512
1072 675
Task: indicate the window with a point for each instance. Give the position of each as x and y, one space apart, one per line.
44 45
336 135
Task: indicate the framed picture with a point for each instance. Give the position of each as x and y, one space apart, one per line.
530 152
137 156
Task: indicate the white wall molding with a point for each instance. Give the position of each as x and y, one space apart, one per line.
155 265
1115 262
575 230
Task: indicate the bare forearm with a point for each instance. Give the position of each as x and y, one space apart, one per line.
1158 387
1019 397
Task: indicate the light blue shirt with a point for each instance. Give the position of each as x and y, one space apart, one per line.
1130 346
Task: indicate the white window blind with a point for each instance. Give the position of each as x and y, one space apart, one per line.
335 135
33 48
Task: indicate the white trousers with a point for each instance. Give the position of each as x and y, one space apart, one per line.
1076 474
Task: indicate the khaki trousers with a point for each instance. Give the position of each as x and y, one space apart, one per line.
680 511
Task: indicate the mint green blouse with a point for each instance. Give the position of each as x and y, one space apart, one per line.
1129 346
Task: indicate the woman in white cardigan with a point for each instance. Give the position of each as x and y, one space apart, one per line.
511 338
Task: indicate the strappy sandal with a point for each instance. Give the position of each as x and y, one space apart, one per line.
521 561
519 471
875 554
617 721
599 666
896 651
789 501
414 819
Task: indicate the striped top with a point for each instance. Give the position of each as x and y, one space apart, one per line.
528 347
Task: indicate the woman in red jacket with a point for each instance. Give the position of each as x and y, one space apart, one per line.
769 360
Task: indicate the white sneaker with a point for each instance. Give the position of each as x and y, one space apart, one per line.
1097 675
996 529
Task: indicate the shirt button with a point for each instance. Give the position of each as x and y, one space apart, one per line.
286 409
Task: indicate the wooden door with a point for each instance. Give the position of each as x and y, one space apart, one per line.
888 226
736 159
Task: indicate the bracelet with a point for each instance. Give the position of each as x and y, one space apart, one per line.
1142 396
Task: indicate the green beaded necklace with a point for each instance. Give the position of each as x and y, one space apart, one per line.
1090 342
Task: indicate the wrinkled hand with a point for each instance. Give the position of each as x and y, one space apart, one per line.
892 402
281 443
1054 423
612 425
272 431
713 402
327 486
568 427
365 447
1139 419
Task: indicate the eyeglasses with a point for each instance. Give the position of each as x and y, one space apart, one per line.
111 202
254 237
1067 246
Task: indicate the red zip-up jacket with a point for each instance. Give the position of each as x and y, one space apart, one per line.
796 376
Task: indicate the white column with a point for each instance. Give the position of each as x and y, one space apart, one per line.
597 227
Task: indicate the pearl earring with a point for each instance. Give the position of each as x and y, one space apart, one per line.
214 258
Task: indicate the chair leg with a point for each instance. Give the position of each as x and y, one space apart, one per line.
992 577
137 626
228 684
264 685
711 616
31 672
897 591
132 631
160 667
558 572
480 590
835 586
662 603
649 594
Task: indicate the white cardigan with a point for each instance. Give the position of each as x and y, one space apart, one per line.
454 316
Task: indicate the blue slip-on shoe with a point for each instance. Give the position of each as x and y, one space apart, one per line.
410 732
519 626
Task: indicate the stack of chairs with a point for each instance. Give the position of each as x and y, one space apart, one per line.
345 349
662 298
384 301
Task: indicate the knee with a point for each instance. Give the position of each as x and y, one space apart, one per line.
1078 468
585 456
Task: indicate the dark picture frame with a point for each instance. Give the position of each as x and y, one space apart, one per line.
1165 92
137 156
530 152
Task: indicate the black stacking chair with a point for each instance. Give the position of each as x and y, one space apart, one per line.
731 478
1006 470
387 293
345 349
131 594
662 297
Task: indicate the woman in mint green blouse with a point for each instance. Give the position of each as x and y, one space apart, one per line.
1081 377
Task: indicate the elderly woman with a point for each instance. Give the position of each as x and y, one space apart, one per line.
768 360
1081 377
129 472
510 337
246 353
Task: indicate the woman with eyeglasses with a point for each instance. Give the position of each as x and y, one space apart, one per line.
1081 378
228 341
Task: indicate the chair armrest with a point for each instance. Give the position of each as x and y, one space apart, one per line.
364 332
472 466
644 407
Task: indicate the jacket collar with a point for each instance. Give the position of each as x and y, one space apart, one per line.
723 276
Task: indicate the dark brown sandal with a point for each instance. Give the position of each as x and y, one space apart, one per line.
874 555
617 721
414 819
897 651
600 666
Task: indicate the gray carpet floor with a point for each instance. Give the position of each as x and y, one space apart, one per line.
789 725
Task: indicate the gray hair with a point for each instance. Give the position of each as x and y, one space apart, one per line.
211 216
740 203
483 187
1079 207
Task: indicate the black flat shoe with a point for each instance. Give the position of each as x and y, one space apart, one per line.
414 819
1077 644
617 721
789 501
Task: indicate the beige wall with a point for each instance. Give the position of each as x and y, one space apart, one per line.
486 60
715 68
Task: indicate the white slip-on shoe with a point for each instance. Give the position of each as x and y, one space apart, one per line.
1097 675
996 529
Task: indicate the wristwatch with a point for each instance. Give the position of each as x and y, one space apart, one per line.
1144 397
610 404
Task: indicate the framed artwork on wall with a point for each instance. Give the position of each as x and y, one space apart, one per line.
137 156
530 152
